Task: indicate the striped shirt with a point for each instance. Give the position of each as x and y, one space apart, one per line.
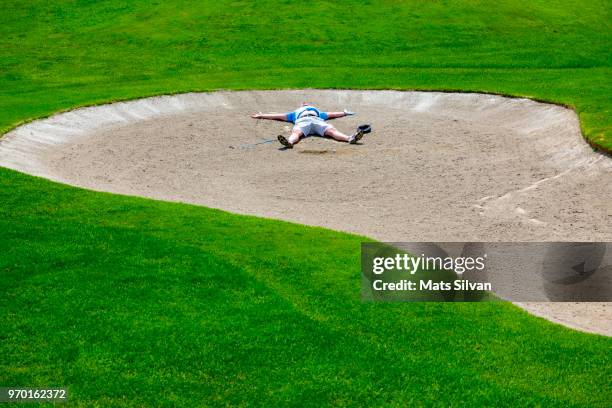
298 113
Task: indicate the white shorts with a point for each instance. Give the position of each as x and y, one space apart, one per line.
312 125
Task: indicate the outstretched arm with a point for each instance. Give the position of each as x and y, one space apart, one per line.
270 116
334 115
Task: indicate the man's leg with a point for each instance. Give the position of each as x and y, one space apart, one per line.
293 139
296 134
336 134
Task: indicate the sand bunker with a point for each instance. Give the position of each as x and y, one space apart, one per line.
438 166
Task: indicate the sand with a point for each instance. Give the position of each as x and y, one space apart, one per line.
438 166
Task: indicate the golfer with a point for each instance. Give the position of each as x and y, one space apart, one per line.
307 121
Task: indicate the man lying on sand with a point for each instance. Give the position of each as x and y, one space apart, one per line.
307 121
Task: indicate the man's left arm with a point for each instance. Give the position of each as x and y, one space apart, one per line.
334 115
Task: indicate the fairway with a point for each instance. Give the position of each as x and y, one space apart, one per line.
129 301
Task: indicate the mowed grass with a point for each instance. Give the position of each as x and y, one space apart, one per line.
129 301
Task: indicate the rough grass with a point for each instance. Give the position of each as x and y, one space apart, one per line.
56 55
134 302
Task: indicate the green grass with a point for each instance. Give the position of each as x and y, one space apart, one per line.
133 302
130 300
59 54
